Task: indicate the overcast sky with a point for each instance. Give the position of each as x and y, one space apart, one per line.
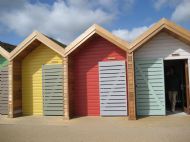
64 20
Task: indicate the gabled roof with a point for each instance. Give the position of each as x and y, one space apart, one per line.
162 25
8 47
51 43
95 29
5 48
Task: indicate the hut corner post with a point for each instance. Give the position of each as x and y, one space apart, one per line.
15 89
131 87
10 82
66 89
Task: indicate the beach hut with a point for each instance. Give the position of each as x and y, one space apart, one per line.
163 47
36 77
97 74
5 48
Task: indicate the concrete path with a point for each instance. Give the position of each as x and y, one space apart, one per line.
95 129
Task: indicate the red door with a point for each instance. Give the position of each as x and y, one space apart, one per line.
86 101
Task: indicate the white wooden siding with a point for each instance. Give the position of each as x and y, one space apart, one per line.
163 46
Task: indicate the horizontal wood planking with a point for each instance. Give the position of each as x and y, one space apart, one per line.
4 90
52 89
163 46
84 79
112 105
32 78
149 84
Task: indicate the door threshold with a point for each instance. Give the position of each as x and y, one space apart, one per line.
169 113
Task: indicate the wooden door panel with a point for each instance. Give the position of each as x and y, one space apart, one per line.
52 89
113 94
150 87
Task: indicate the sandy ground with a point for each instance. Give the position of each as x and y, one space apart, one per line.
95 129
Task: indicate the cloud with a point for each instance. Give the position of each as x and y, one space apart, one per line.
130 35
181 9
63 20
10 4
158 4
182 12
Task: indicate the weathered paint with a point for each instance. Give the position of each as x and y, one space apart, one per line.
32 78
85 90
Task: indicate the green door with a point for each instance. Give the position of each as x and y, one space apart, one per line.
150 87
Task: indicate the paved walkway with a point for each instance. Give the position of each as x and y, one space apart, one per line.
95 129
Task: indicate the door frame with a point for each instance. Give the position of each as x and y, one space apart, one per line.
186 109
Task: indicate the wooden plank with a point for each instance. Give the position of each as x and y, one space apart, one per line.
51 108
113 97
52 91
114 105
112 71
112 68
114 75
113 94
150 112
50 77
112 84
54 113
52 66
114 113
113 79
112 63
114 109
53 80
49 87
54 94
55 105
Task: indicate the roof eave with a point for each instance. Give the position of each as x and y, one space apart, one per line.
4 53
95 29
162 24
40 37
